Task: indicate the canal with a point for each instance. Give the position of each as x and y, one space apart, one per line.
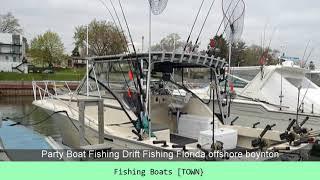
20 109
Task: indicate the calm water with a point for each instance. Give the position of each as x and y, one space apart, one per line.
16 107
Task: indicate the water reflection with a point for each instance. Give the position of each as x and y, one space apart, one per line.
17 107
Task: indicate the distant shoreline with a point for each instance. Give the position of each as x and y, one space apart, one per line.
23 88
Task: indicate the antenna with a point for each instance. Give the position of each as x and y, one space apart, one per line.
156 7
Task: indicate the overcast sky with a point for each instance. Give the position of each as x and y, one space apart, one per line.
295 22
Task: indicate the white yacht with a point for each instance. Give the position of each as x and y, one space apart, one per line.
314 76
173 123
276 95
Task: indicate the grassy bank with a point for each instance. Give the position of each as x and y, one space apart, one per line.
58 75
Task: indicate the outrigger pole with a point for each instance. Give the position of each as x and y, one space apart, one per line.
87 71
148 102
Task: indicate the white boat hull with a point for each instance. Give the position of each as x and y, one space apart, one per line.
249 114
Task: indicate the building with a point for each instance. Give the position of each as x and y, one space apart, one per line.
12 53
77 62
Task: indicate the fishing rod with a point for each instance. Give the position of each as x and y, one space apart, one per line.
124 37
204 23
137 67
114 9
309 84
265 52
264 37
305 50
308 57
114 21
120 33
297 115
194 23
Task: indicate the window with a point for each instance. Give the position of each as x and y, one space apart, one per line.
304 83
7 57
14 58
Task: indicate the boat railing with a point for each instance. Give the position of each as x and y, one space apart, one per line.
47 89
43 88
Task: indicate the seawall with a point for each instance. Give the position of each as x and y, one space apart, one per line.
24 88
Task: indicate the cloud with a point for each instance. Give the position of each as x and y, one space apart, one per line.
295 22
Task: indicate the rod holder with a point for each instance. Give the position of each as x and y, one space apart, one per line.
177 146
266 129
233 121
291 124
255 125
137 134
304 121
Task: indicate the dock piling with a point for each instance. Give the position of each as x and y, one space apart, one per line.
82 103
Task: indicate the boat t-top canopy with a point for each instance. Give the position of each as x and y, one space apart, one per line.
177 59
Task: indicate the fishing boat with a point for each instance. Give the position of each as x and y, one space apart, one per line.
277 95
314 76
146 114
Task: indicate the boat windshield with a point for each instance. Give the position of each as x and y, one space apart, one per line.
246 73
304 82
314 77
112 82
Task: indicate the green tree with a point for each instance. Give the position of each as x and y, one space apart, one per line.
104 39
75 52
218 48
47 49
238 54
169 43
9 24
242 55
